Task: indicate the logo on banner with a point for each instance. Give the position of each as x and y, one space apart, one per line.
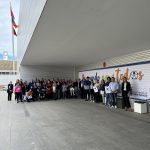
132 75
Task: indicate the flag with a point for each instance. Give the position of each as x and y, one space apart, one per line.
14 25
14 32
13 19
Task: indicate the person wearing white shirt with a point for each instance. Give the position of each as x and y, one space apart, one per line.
92 91
96 91
108 92
114 87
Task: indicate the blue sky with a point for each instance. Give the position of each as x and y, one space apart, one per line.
5 26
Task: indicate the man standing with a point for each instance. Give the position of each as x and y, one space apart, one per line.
87 84
10 91
114 90
108 92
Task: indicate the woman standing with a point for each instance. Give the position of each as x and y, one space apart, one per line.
17 81
96 91
126 92
102 90
54 86
18 92
49 90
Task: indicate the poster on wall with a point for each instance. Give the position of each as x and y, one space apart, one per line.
137 75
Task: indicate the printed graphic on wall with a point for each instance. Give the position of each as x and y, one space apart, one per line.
137 75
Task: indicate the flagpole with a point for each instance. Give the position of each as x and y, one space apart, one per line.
13 51
13 48
13 43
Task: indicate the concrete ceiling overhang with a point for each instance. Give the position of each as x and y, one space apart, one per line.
78 32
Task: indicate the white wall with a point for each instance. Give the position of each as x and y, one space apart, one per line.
30 12
31 72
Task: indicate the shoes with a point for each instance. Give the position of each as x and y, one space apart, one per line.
115 106
129 109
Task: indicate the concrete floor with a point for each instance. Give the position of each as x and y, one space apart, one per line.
70 125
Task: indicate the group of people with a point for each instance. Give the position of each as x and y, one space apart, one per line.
106 91
42 89
92 90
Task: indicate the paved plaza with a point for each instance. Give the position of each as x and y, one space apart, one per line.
70 124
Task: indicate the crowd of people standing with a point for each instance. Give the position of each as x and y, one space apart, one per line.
106 91
42 89
90 90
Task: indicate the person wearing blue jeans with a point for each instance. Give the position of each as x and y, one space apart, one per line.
108 92
87 84
109 99
114 87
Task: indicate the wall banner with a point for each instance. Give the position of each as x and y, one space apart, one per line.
137 75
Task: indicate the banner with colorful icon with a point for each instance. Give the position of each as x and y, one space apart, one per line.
137 75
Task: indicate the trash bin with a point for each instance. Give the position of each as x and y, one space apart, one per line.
120 103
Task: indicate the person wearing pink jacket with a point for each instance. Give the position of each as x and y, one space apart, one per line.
17 92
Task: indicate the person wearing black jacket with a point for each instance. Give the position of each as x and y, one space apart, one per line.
10 91
126 92
102 90
81 88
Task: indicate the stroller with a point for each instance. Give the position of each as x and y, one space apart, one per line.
42 93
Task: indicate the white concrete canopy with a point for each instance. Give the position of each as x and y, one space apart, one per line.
79 32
